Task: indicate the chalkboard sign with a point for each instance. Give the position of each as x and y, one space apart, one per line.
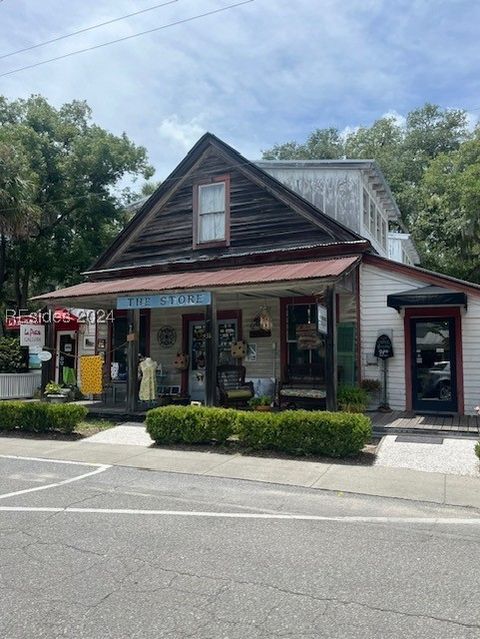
383 347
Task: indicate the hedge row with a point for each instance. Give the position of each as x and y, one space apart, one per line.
298 432
40 417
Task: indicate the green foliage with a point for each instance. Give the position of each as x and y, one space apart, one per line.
352 399
322 433
52 388
371 385
11 357
58 204
190 424
263 400
296 432
432 163
257 430
477 449
40 417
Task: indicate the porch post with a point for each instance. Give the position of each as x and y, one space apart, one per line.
331 375
48 368
133 320
211 332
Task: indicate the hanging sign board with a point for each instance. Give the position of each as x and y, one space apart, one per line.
383 347
169 300
32 335
308 338
322 319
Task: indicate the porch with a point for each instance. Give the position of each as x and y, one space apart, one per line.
398 422
297 322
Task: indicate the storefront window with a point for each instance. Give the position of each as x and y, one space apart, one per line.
119 339
305 346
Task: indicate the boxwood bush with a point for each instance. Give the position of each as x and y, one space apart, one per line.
190 424
297 432
39 417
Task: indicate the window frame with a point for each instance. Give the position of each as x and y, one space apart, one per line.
225 241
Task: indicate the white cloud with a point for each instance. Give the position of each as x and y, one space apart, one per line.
181 134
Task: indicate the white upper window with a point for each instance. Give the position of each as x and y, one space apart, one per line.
211 220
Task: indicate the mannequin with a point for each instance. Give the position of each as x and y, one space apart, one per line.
148 384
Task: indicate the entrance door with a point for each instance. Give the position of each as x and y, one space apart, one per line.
227 333
433 365
66 353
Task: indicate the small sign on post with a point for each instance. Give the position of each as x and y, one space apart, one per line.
32 335
384 351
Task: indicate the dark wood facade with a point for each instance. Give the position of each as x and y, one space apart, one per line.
264 216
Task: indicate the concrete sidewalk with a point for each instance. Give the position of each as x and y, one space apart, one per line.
369 480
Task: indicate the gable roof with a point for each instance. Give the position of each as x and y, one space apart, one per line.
424 275
334 231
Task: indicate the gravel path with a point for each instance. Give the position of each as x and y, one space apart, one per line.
455 456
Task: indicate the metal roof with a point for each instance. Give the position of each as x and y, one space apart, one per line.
331 268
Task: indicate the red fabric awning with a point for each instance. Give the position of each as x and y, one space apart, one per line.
264 274
63 320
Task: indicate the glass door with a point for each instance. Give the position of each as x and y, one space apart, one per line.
433 365
227 333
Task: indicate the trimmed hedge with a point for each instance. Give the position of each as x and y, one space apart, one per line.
190 424
298 432
477 449
39 417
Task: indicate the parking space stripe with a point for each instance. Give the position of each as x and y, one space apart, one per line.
50 461
438 521
63 482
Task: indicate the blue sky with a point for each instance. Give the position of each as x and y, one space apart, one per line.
266 72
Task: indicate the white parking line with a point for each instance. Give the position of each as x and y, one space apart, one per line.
99 468
457 521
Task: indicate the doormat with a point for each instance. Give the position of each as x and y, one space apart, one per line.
419 439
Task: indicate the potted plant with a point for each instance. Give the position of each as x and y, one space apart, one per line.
54 394
262 403
374 389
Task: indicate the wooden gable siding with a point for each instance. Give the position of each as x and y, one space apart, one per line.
259 221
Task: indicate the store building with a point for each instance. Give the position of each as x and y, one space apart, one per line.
298 260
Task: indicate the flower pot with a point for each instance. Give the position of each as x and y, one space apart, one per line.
57 398
375 398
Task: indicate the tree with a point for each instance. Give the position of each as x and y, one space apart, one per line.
66 191
407 153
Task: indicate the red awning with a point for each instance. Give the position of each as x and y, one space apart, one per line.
63 320
264 274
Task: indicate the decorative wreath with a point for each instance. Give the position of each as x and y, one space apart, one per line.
166 336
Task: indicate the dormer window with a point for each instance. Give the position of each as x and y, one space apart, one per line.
211 210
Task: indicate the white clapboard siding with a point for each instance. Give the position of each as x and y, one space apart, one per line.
471 355
375 316
262 368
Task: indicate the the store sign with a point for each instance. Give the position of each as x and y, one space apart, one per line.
169 300
322 319
383 347
32 335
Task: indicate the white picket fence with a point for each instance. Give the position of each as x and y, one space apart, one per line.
19 385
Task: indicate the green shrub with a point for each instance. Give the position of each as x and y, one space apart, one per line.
257 430
39 417
11 356
352 399
322 433
10 415
477 449
66 417
190 424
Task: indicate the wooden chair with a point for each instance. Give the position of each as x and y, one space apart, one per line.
233 390
303 387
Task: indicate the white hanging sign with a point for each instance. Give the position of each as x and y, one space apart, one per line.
322 319
32 335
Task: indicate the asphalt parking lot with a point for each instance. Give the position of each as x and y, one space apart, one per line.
90 552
